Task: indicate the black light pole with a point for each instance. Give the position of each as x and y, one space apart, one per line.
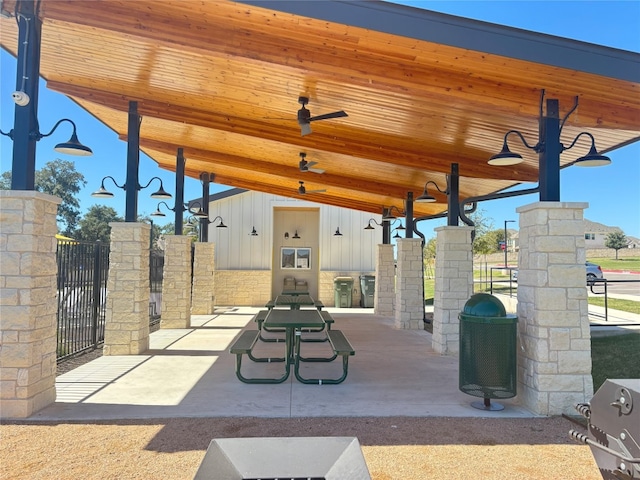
179 205
133 163
205 178
506 244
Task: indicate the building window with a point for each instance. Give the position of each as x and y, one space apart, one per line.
299 258
589 236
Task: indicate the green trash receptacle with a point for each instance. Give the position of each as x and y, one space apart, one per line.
343 287
488 354
367 289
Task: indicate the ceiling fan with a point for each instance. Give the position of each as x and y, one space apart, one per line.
306 166
303 190
305 118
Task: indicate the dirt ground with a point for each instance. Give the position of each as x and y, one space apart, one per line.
393 447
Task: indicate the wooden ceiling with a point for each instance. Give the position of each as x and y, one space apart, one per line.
222 80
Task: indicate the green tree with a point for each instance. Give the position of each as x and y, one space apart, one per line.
94 225
61 179
616 240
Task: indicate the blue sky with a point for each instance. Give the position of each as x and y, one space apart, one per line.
613 192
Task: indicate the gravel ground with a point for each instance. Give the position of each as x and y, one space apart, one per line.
393 447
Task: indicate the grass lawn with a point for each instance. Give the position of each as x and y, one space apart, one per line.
621 264
617 356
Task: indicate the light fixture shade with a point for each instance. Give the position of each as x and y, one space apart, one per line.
102 193
505 157
425 198
295 235
389 216
73 147
401 227
222 225
158 213
200 213
593 159
337 234
161 194
254 233
397 235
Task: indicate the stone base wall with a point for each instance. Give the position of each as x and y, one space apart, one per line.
454 286
243 287
385 291
203 292
554 363
409 311
28 302
127 317
176 282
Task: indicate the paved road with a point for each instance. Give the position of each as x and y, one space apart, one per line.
627 287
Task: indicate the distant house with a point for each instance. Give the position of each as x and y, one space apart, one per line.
595 234
269 238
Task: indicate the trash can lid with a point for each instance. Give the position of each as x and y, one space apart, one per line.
484 305
343 279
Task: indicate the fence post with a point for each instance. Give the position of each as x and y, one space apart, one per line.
97 275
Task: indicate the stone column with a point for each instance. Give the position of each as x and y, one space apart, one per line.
127 318
203 295
28 302
385 286
176 282
554 363
454 285
409 311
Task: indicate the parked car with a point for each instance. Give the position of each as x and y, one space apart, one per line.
594 272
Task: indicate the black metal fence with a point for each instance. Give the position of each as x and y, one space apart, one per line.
82 288
156 267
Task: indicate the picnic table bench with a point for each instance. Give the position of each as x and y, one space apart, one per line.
341 347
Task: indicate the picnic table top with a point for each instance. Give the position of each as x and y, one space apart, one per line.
294 319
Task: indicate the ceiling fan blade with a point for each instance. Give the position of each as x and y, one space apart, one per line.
305 129
339 114
315 170
322 190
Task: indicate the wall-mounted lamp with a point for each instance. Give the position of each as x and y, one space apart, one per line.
254 233
70 147
295 235
104 193
591 159
388 215
337 234
426 198
286 234
397 235
220 225
371 227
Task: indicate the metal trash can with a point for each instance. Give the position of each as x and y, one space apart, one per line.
488 354
342 287
367 290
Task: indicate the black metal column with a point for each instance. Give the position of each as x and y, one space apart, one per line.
386 228
179 204
133 162
409 216
204 222
549 157
453 207
25 118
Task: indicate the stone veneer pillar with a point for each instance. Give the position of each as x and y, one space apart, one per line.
176 282
409 306
554 363
454 285
127 317
203 294
385 285
28 325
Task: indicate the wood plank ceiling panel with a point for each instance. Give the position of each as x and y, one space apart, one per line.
222 79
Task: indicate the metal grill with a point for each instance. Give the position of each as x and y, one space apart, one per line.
82 288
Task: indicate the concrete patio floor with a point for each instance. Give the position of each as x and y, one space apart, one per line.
190 373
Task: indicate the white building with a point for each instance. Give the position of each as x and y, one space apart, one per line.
295 238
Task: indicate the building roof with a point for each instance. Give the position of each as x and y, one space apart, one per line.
422 91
